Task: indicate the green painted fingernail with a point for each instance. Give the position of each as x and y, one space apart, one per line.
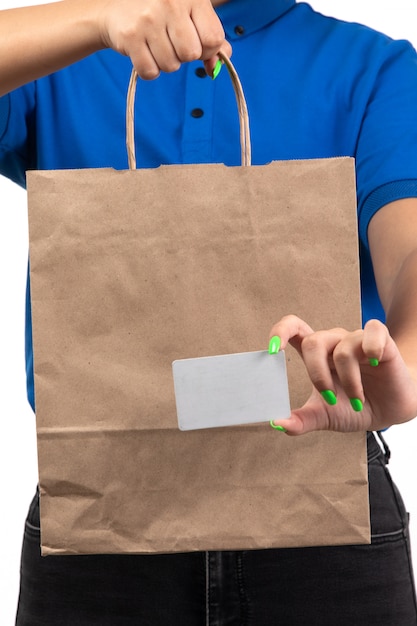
329 396
373 362
216 70
280 428
274 345
356 404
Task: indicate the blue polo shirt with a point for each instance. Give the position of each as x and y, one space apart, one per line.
315 87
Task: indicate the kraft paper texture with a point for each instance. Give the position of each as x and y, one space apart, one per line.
131 270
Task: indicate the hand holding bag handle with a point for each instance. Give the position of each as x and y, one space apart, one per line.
245 144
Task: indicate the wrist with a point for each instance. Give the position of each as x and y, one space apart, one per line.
86 25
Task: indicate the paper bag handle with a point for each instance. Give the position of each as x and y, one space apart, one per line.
245 145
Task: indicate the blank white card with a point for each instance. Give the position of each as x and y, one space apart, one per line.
231 389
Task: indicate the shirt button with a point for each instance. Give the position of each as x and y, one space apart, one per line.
197 113
239 30
201 72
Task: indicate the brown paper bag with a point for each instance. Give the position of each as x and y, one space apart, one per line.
138 268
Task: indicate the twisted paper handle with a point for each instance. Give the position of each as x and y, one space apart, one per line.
245 144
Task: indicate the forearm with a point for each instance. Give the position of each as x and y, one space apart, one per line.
401 310
392 236
37 40
158 35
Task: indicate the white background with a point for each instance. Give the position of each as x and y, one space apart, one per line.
17 440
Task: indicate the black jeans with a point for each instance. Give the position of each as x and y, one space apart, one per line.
370 585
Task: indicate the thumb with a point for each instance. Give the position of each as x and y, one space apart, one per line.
313 415
293 426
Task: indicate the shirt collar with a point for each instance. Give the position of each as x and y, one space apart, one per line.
243 17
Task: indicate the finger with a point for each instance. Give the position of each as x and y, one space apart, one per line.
347 357
209 29
198 35
144 62
314 415
356 351
375 339
317 352
175 42
163 52
185 40
181 44
173 37
291 329
211 63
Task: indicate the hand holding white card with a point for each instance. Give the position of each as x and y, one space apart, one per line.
231 389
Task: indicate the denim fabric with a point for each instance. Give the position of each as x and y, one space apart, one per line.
370 585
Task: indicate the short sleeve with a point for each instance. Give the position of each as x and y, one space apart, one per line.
17 113
386 156
4 114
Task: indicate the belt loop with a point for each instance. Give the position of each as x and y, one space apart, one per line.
387 451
